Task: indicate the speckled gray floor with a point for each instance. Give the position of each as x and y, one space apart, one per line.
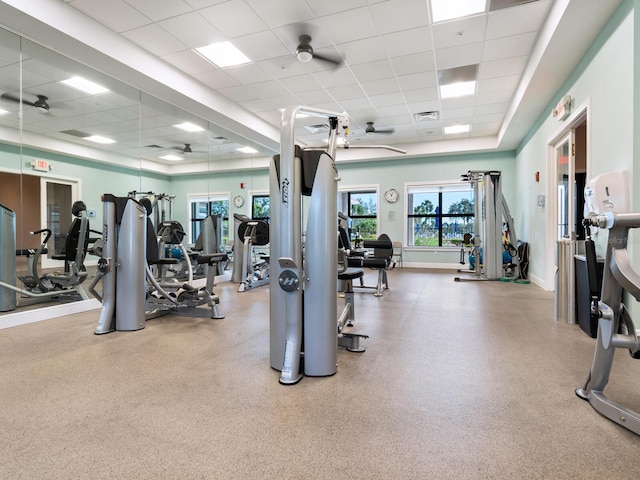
459 381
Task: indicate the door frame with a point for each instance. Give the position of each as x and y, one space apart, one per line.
580 115
47 262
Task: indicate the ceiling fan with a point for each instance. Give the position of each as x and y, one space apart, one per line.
305 53
185 150
40 104
371 130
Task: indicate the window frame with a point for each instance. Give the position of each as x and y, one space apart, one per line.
208 198
348 190
439 188
259 194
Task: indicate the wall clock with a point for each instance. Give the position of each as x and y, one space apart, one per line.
391 195
238 201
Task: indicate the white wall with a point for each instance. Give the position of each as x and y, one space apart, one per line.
604 83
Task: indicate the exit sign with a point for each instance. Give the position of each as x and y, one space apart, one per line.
41 165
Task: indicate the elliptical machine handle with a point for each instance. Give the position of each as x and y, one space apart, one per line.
45 230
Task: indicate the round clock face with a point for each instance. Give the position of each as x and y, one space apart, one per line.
391 195
238 201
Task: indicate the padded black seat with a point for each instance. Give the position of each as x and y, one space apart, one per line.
351 274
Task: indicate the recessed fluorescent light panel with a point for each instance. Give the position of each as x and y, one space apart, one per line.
171 157
247 150
223 54
84 85
189 127
3 112
458 81
442 10
99 139
453 129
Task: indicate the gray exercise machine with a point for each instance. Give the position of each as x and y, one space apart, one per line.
255 266
605 205
59 285
131 293
491 210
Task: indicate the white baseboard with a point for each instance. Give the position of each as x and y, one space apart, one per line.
47 313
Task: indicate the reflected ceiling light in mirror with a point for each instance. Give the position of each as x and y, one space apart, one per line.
99 139
223 54
84 85
171 157
453 129
3 112
189 127
442 10
247 150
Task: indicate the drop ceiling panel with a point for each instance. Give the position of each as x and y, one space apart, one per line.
234 18
155 39
120 16
192 29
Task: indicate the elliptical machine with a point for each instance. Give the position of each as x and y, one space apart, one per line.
605 204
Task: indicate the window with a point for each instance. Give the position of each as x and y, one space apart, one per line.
362 208
202 207
260 207
439 215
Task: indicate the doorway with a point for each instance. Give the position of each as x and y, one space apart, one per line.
567 172
56 201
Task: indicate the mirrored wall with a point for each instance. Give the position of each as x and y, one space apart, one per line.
70 133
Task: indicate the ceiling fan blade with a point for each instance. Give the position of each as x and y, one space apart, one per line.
337 61
14 98
385 131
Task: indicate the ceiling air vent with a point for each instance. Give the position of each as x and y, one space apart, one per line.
421 116
321 128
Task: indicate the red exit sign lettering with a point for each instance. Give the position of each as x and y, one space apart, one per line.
41 165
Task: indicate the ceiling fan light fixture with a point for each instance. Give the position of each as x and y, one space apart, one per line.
304 54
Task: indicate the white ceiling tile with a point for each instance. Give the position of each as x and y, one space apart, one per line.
335 78
516 20
155 39
197 4
363 51
269 89
498 68
276 13
328 7
366 72
505 47
379 87
160 10
261 46
192 29
498 84
423 95
233 18
418 80
355 104
283 67
390 112
120 16
460 32
346 92
257 105
415 63
313 97
248 74
459 56
387 99
349 25
189 62
493 97
457 113
407 42
300 83
491 108
398 15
